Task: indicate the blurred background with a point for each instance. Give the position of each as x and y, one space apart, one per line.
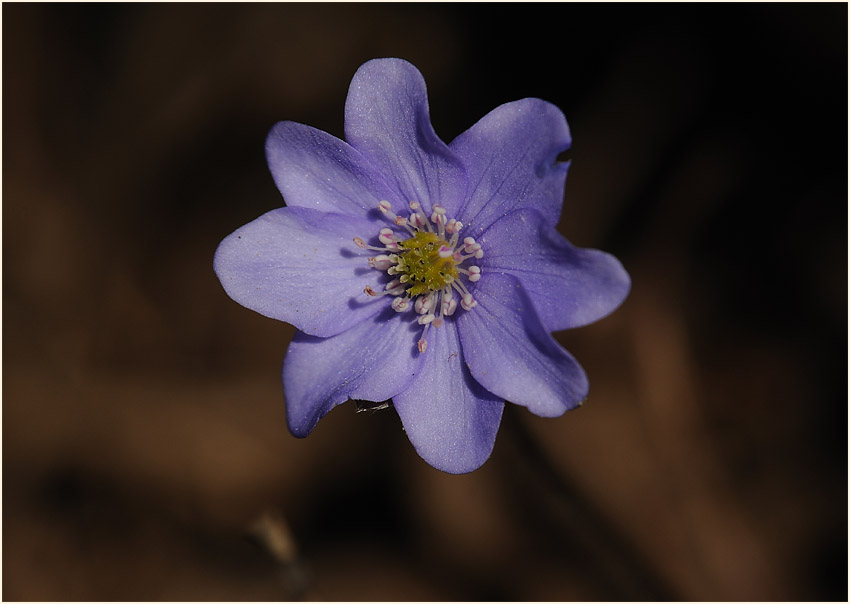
145 452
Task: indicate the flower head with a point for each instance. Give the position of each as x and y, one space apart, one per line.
425 273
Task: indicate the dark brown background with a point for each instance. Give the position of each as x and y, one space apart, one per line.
143 421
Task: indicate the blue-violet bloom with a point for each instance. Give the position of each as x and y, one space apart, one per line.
425 273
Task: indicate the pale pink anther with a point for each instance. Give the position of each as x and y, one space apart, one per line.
425 319
445 251
381 262
439 219
384 206
386 236
400 304
394 288
369 291
467 302
432 299
438 322
414 205
474 273
419 305
359 243
449 307
479 253
422 345
438 209
453 226
400 220
425 303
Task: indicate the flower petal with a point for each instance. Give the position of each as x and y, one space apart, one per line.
509 157
387 119
569 286
300 266
510 353
313 169
450 419
371 361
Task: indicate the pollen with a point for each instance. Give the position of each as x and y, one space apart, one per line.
426 261
427 270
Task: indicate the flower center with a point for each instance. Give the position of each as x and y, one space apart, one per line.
426 265
420 260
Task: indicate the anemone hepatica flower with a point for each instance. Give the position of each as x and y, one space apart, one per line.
425 273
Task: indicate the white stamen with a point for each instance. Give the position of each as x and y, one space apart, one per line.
445 251
460 287
384 207
400 304
440 221
425 319
382 262
420 217
438 217
449 306
425 303
474 273
423 343
394 288
468 302
453 226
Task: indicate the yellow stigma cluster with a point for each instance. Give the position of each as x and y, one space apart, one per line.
421 266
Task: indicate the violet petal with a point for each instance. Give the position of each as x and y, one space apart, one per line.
510 353
300 266
450 419
371 361
569 286
387 119
510 158
313 169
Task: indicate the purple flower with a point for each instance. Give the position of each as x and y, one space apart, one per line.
428 273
